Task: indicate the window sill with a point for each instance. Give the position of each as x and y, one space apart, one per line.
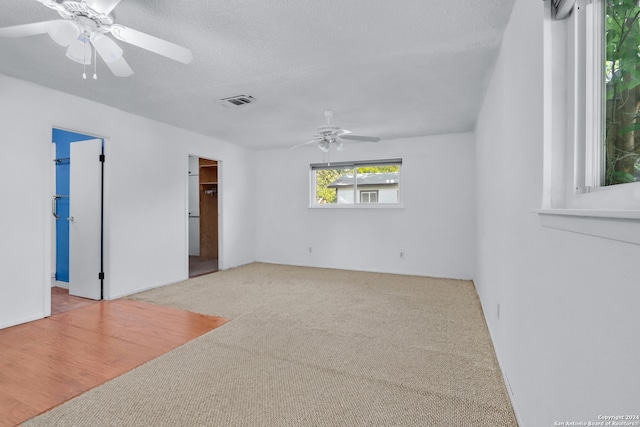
358 206
619 225
613 198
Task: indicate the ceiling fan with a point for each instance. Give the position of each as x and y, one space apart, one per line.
87 23
331 134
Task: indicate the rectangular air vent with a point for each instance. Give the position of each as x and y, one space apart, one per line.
236 101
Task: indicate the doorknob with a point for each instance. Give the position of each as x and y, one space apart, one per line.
54 206
71 218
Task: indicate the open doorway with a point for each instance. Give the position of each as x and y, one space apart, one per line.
203 216
77 216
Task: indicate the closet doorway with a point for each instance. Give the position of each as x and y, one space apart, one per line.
203 216
78 214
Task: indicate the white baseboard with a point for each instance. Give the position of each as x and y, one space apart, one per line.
21 321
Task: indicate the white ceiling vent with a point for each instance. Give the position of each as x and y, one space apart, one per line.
236 101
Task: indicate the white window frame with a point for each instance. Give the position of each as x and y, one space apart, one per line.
573 197
356 204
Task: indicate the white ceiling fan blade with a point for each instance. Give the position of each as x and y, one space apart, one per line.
359 138
79 51
102 6
53 4
153 44
120 68
25 30
108 50
63 32
313 141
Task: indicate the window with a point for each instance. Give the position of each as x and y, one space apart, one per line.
592 104
350 184
368 196
621 106
607 40
591 118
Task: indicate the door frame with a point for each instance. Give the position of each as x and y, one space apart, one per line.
220 212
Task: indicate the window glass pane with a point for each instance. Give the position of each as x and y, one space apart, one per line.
334 186
622 100
381 180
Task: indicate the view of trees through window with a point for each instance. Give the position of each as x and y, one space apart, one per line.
325 178
622 79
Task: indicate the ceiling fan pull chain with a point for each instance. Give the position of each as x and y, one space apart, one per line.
84 60
95 64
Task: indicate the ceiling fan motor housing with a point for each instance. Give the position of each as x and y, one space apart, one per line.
331 134
78 11
328 132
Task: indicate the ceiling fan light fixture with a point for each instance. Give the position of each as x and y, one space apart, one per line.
63 32
323 146
77 52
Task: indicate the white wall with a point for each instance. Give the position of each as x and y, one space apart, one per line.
567 336
435 229
146 196
26 208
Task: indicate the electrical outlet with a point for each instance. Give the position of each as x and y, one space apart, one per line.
498 311
402 255
310 249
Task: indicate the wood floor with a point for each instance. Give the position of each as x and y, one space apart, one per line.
49 361
62 302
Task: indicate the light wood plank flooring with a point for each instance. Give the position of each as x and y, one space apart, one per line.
49 361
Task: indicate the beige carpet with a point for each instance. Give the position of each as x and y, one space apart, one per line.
311 347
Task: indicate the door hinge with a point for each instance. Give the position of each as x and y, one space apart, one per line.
101 275
102 158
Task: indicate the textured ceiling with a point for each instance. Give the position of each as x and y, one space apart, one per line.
387 68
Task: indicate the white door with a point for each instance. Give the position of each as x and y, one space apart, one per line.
85 183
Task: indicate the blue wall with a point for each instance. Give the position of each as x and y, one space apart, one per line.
63 140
